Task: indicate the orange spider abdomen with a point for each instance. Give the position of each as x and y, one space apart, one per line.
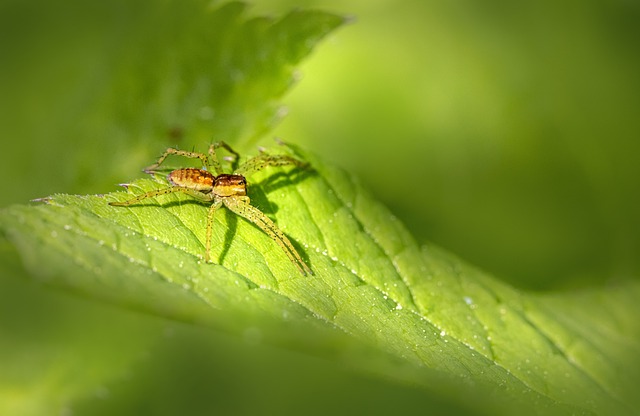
192 178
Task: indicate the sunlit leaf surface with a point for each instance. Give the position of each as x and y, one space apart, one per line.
371 281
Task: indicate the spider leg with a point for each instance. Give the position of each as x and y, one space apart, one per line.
212 210
263 160
172 151
240 206
214 158
200 196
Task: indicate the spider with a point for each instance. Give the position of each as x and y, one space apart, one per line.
225 189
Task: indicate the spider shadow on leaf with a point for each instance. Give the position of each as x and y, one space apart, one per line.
276 181
258 192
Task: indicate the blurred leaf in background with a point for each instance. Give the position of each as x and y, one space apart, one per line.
94 90
517 124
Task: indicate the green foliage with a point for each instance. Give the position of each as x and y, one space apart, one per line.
372 282
378 301
105 86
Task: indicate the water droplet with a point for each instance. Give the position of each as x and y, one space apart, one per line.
283 110
67 227
443 333
54 234
399 307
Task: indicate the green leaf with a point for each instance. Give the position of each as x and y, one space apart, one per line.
99 88
182 72
424 307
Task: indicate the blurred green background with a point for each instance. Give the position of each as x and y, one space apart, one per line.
506 133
